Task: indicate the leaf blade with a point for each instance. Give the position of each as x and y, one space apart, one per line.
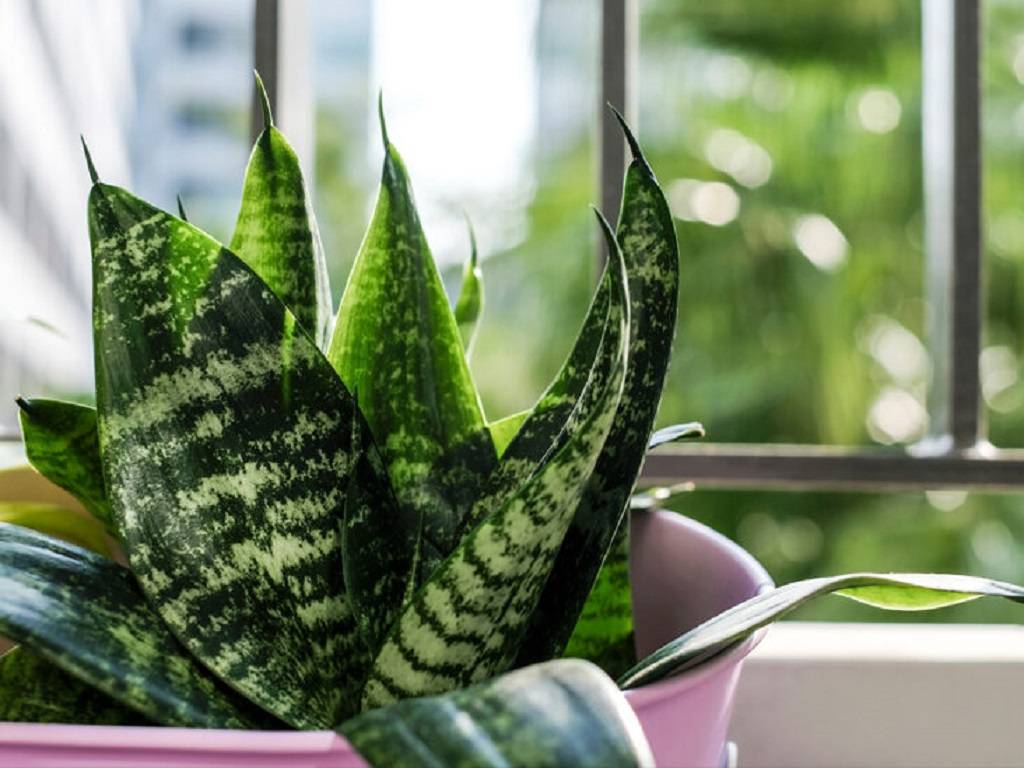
470 304
59 522
894 591
224 433
556 714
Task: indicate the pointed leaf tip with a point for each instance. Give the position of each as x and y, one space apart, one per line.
380 115
634 145
22 403
88 161
472 240
181 209
609 236
268 115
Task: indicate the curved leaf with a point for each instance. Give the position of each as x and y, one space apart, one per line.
893 591
688 431
225 438
504 430
470 304
276 232
466 623
396 344
564 713
60 522
34 690
647 237
86 614
62 443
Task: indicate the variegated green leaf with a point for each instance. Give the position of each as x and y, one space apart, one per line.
276 232
60 522
470 304
379 543
504 430
61 442
564 713
397 345
34 690
225 438
893 591
604 632
87 615
647 237
466 623
691 430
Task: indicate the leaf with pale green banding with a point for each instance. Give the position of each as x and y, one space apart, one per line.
604 632
691 430
379 543
564 713
466 623
470 304
60 522
276 233
646 234
892 591
396 344
61 442
225 438
86 614
34 690
504 430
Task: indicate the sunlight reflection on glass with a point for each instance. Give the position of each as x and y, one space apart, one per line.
821 241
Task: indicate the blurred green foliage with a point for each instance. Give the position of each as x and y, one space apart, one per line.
788 139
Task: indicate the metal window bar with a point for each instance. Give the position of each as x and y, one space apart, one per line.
955 454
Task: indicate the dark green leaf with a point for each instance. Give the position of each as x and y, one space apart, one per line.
276 232
688 431
86 614
470 304
62 444
396 344
60 522
225 438
894 591
564 713
647 237
467 622
34 690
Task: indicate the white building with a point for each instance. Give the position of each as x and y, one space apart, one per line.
65 70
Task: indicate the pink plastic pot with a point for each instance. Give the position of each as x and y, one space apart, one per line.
682 573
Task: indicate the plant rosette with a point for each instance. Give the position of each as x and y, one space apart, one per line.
322 530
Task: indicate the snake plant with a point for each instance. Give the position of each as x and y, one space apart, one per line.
318 517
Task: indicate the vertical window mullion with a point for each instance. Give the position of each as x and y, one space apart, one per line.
952 187
619 52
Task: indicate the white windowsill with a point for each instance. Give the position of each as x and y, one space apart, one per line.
882 695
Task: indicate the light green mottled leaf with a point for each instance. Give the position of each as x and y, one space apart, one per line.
276 232
689 431
59 522
470 304
894 591
86 614
225 437
604 633
503 430
466 623
646 235
396 344
61 442
564 713
34 690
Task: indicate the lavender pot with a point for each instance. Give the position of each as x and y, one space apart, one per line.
682 573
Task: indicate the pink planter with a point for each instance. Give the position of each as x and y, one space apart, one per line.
682 573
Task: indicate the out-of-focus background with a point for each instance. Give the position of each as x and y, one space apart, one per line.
787 137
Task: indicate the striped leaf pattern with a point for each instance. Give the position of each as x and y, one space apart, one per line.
62 443
564 713
86 614
225 439
891 591
466 623
397 345
276 232
647 237
34 690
